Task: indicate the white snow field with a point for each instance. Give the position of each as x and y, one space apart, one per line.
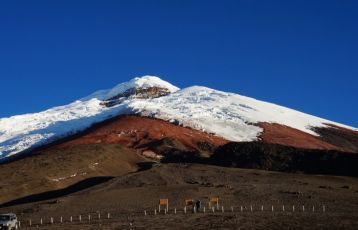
228 115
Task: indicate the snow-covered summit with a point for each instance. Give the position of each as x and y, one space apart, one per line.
228 115
136 83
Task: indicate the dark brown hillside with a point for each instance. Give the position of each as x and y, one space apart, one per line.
127 197
53 169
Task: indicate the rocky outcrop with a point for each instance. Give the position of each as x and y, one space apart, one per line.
139 93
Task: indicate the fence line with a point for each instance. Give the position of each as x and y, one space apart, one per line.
233 209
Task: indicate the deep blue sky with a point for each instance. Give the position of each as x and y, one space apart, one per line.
300 54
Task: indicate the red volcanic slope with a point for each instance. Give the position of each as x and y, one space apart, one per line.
139 132
330 138
284 135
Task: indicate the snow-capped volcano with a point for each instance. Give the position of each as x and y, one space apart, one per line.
231 116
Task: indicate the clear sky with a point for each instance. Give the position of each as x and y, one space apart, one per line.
300 54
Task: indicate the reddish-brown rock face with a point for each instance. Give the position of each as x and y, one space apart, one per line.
141 132
330 138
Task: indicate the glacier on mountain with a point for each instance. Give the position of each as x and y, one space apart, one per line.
228 115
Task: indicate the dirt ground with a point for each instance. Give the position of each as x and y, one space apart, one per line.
126 198
51 169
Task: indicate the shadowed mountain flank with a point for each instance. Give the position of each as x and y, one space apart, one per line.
258 155
345 139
